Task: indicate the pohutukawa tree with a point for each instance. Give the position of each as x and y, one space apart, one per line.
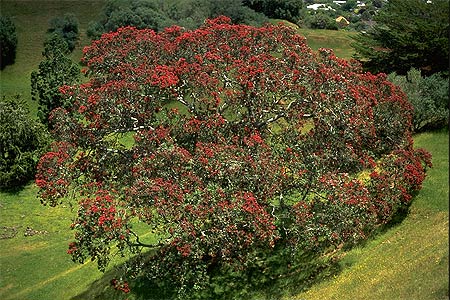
192 150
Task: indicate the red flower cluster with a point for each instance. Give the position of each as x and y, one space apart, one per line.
120 285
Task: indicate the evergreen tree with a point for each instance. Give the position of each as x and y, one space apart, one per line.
67 28
22 141
8 41
56 70
407 34
281 9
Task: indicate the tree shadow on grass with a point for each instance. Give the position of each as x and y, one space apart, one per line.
15 190
141 289
279 277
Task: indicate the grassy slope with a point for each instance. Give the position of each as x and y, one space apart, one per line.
339 41
37 267
409 261
31 19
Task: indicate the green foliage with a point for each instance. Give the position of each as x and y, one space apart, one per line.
8 41
321 20
407 34
22 142
56 70
67 28
279 9
429 96
349 5
158 14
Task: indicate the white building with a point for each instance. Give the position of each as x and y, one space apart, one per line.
317 6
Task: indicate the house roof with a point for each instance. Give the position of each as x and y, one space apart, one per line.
342 19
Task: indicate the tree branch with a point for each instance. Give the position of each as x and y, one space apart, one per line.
140 244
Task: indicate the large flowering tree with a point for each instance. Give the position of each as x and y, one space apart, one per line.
192 150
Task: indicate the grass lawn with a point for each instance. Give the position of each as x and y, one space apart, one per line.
338 40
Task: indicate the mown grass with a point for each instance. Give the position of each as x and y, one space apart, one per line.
36 267
339 41
410 260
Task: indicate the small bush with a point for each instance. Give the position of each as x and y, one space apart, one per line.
428 95
67 28
22 141
321 20
8 41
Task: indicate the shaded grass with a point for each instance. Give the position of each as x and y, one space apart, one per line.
410 260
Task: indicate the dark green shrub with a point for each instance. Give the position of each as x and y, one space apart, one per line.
56 70
321 20
67 28
8 41
22 141
279 9
428 95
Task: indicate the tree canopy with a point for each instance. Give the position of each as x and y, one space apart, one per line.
192 151
279 9
407 34
429 96
67 28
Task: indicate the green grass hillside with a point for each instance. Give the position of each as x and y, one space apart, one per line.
338 40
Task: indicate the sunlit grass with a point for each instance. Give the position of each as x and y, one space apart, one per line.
338 40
